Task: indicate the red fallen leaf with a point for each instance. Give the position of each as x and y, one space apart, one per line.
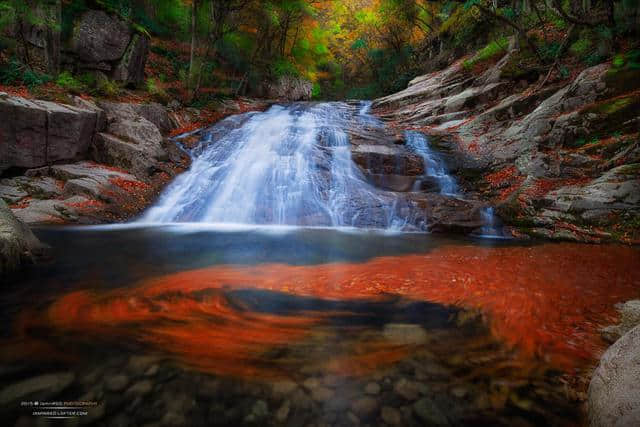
548 301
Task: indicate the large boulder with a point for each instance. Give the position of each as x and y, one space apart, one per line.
290 88
614 391
99 37
131 142
38 133
18 245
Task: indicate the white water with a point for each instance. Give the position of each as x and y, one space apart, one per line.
289 166
434 166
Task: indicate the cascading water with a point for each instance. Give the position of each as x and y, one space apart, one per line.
289 165
434 166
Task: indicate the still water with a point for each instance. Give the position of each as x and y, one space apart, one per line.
245 325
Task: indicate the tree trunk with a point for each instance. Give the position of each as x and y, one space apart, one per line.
194 13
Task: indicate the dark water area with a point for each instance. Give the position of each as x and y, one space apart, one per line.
193 325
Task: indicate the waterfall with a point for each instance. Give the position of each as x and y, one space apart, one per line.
289 165
434 166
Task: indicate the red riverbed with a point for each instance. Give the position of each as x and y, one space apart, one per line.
547 301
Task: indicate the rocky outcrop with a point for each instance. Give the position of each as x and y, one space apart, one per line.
289 88
87 163
105 43
18 245
101 42
38 133
614 391
558 161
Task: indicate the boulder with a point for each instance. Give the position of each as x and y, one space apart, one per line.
290 88
99 37
37 133
136 158
629 319
380 159
614 391
130 69
18 245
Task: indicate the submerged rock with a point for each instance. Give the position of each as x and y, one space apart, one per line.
44 386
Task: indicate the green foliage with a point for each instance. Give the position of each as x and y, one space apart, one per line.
156 91
14 72
490 51
316 90
283 67
581 47
68 82
106 87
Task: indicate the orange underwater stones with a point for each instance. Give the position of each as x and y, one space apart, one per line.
547 301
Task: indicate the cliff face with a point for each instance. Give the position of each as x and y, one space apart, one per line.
559 161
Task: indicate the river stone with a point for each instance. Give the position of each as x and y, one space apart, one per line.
259 411
321 394
140 388
116 382
283 412
614 391
100 37
391 416
45 386
405 334
409 390
364 407
429 412
372 388
283 387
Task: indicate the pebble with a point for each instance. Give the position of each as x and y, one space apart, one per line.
140 388
116 382
283 412
372 388
284 387
321 394
364 407
429 412
259 411
353 418
311 383
407 389
405 334
391 415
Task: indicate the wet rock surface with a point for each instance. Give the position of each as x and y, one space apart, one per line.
558 162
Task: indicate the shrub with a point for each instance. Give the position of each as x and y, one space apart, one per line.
580 47
68 82
14 72
157 92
